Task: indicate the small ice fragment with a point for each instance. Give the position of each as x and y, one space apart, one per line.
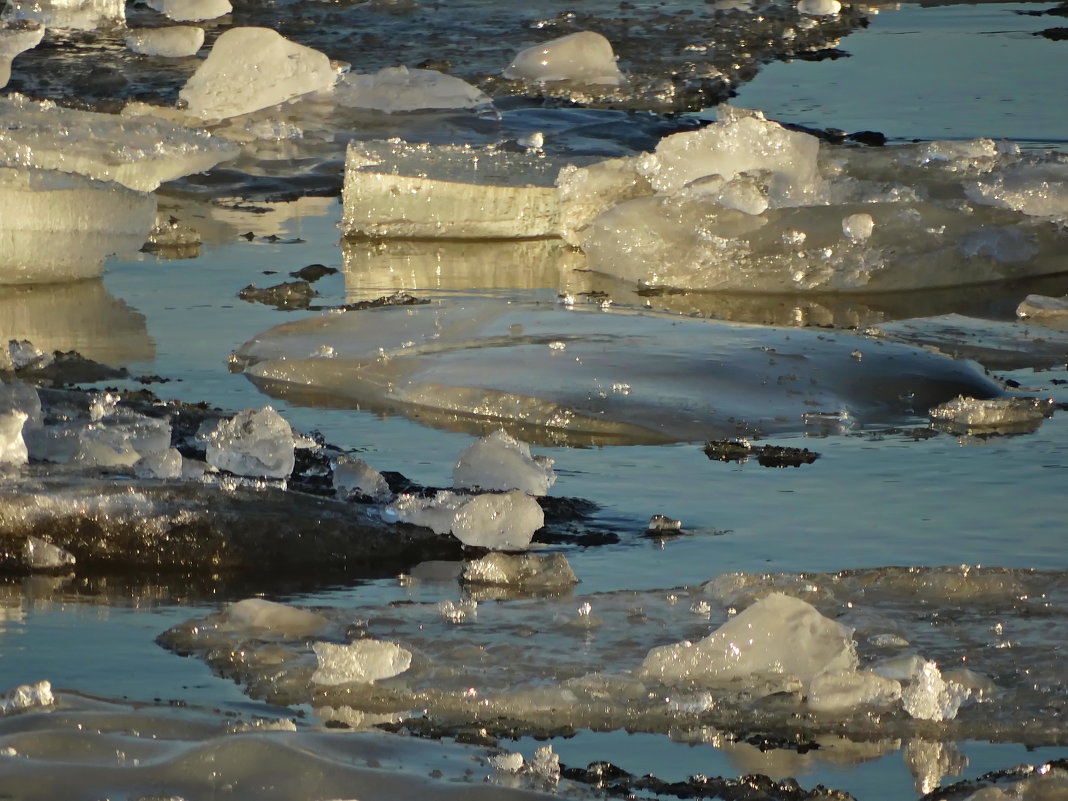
361 662
526 571
159 464
1042 306
177 41
500 522
396 89
583 57
929 697
545 765
40 555
508 762
254 442
253 68
663 523
819 8
191 10
354 477
499 461
848 689
777 635
284 620
996 415
12 445
858 227
534 141
458 611
27 696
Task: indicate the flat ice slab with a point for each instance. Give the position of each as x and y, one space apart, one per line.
60 227
552 374
138 152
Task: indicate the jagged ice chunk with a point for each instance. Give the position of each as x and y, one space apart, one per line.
255 442
499 461
27 696
356 477
582 57
253 68
359 662
929 697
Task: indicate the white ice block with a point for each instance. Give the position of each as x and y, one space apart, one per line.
176 41
499 461
60 227
254 442
359 662
582 57
138 152
253 68
191 10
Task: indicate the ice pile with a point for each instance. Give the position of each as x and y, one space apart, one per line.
361 661
499 461
994 416
80 15
60 227
27 696
138 152
191 10
253 68
583 57
778 636
175 41
15 38
500 521
397 89
255 442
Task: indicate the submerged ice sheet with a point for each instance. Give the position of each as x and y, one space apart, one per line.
518 660
570 375
395 89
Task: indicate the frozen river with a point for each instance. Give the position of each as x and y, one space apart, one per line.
676 321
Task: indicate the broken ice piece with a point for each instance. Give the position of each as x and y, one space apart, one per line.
663 523
359 662
191 10
253 68
78 15
140 152
395 89
545 765
354 477
12 446
281 619
27 696
500 522
929 697
458 611
994 416
499 461
849 689
254 442
40 555
1040 306
583 57
398 190
507 762
176 41
525 571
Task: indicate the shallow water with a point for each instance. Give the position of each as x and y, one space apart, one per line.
873 498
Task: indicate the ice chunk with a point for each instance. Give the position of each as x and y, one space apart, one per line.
394 89
499 461
79 15
548 572
40 555
359 662
191 10
15 38
140 152
501 522
741 144
399 190
1036 187
777 636
858 227
586 192
59 227
902 667
1042 306
283 620
845 690
507 762
819 8
27 696
929 697
355 477
176 41
12 446
160 464
255 442
994 416
253 68
584 57
545 765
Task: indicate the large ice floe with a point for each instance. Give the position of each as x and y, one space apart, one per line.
743 204
570 375
803 654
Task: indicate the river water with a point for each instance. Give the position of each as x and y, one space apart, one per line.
878 496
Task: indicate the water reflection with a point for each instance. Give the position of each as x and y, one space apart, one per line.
81 316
